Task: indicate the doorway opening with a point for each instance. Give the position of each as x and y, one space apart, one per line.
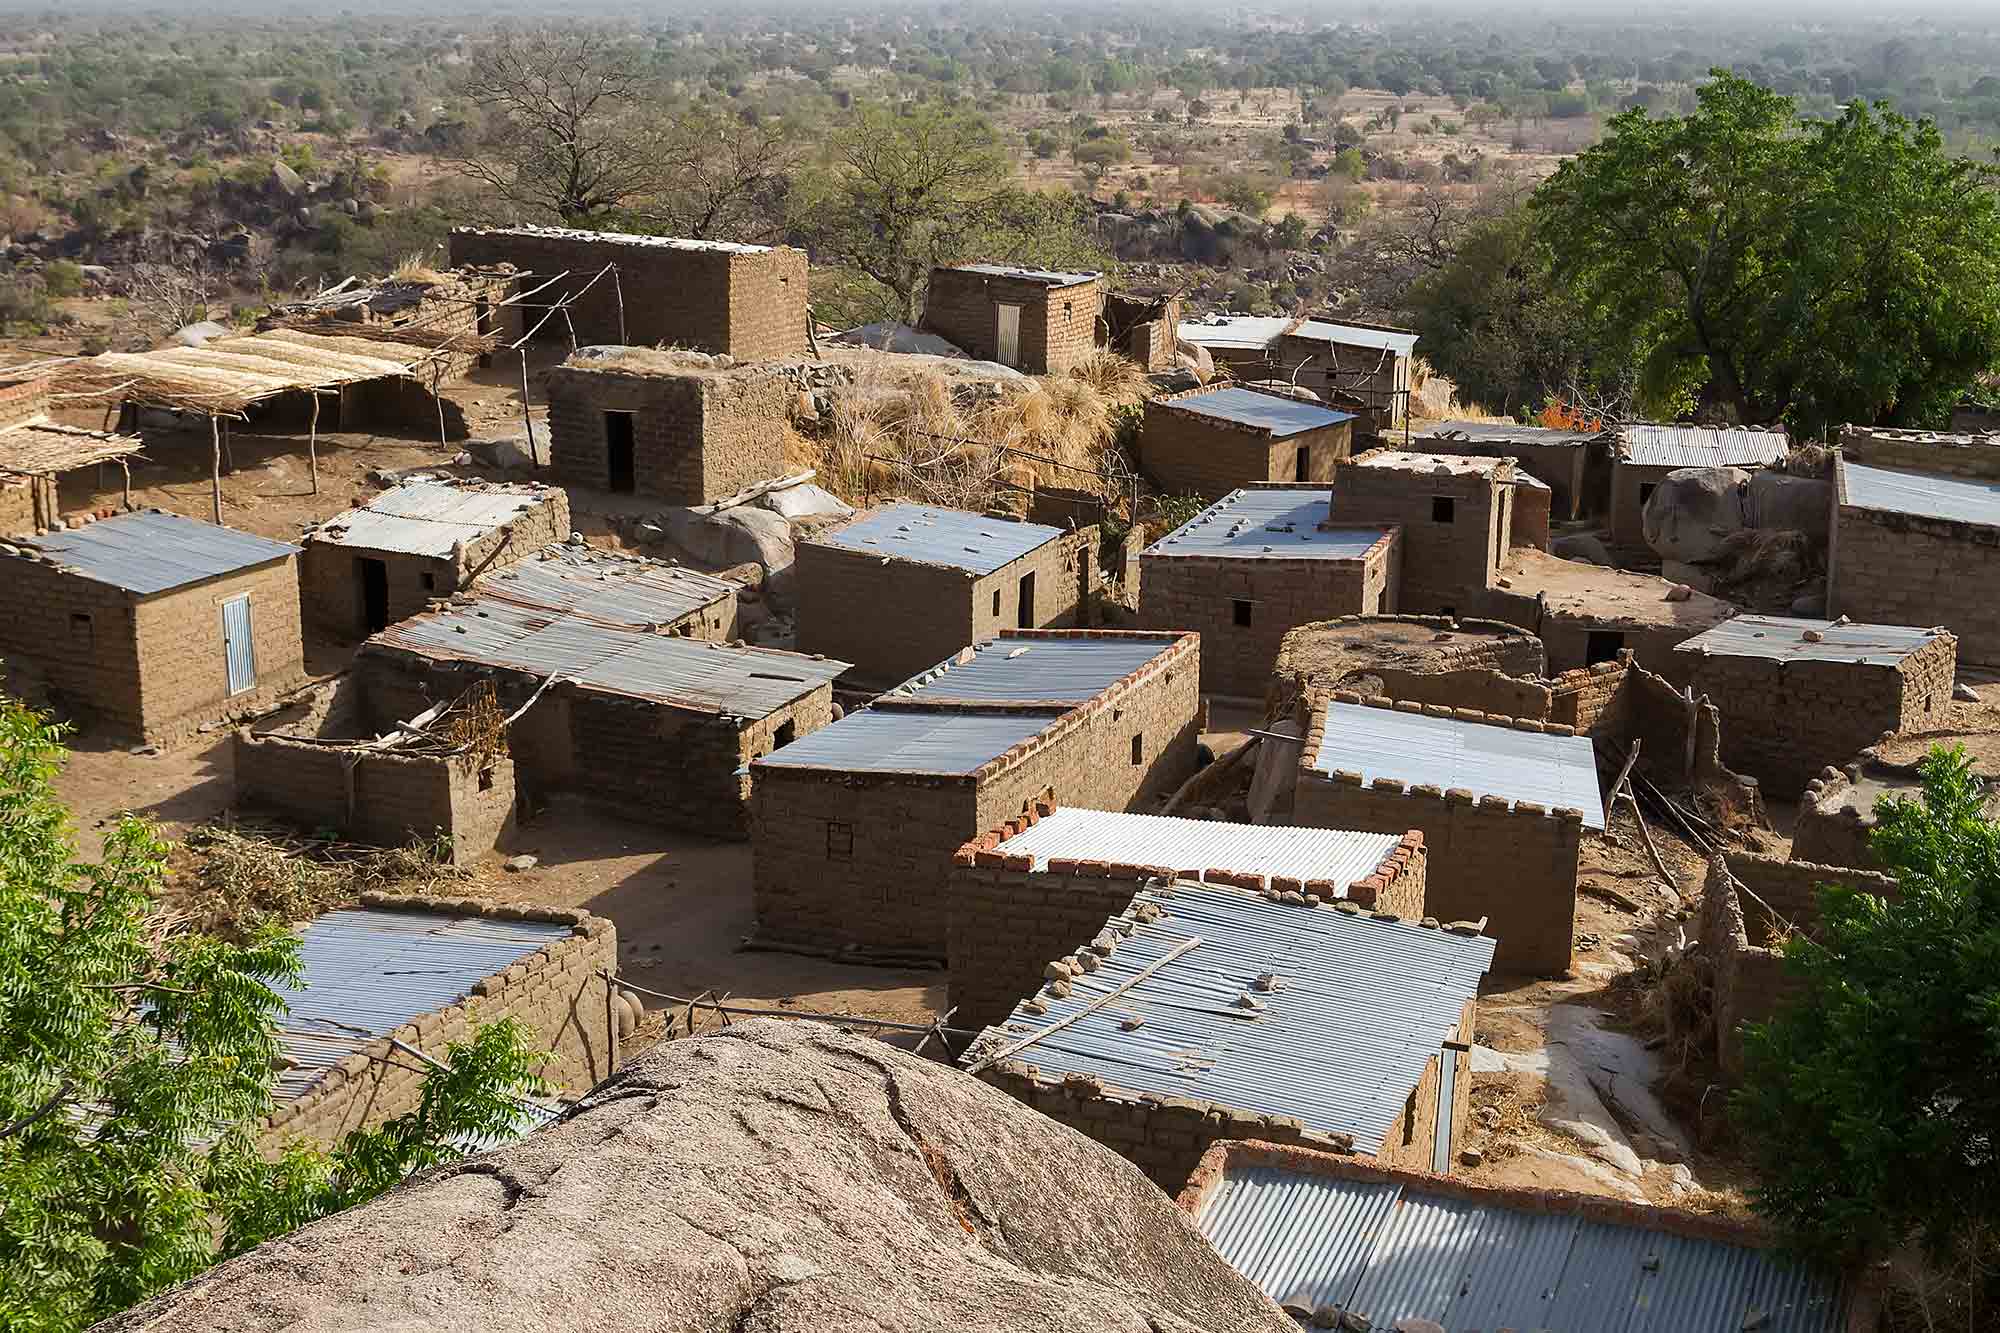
374 576
619 466
1026 618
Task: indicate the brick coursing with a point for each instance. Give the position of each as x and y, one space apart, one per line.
1562 467
1448 562
1783 721
1628 511
556 992
1006 920
748 304
1482 664
1951 454
848 860
1885 569
1059 325
1529 525
697 436
1186 451
1513 863
24 400
894 618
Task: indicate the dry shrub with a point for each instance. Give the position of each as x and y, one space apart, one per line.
415 268
1116 377
1807 460
243 876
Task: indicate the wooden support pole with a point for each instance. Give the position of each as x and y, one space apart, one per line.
618 289
526 420
125 466
437 396
228 449
215 464
312 442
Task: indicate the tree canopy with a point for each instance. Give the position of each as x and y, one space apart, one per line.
1872 1104
1806 272
137 1062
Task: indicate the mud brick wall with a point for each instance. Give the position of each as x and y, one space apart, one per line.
1976 457
1529 524
1478 654
1203 593
1592 700
1184 451
1784 721
555 992
24 400
1628 511
1362 372
1513 863
696 437
1007 921
894 618
1059 325
1561 466
851 860
80 635
1884 569
20 516
1751 980
330 577
1447 565
748 304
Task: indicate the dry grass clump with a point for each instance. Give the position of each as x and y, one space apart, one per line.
415 268
242 876
1807 460
1118 378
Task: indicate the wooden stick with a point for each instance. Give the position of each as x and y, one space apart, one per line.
125 466
618 289
228 449
534 460
312 443
1646 836
215 465
1091 1008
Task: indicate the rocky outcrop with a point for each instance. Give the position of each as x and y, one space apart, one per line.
774 1177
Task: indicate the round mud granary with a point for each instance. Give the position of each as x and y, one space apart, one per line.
1430 659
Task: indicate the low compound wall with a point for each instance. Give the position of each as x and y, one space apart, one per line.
556 992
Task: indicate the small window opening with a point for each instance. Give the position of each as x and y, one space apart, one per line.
486 779
1443 509
1646 489
80 627
430 581
839 841
788 731
1302 470
1139 748
1603 645
1240 611
996 601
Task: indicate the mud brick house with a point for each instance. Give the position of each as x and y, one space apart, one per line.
1907 545
746 301
1575 464
1483 664
1040 886
35 452
1502 804
1745 940
151 623
1528 523
1412 1249
1364 363
904 585
638 421
631 682
1645 454
1035 320
315 763
1211 441
1141 328
374 565
1247 1015
1588 613
1797 695
1454 512
1254 565
854 827
426 972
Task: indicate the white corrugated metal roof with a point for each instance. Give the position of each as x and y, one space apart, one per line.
897 740
1399 341
1783 638
1192 847
1645 445
1264 411
1924 494
1552 771
935 536
426 517
1236 331
1045 276
1264 523
1398 1250
1355 1011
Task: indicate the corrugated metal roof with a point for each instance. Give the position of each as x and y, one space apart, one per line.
951 537
1554 771
1050 277
620 590
1699 446
618 238
1925 494
1266 411
1191 847
704 677
426 517
1246 332
151 551
1358 1009
884 740
1508 432
1783 638
1270 524
1060 671
1396 1251
1412 460
1401 342
377 970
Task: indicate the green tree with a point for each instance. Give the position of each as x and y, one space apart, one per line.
136 1061
1872 1104
1808 273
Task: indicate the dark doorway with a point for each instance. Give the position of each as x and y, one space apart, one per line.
482 319
1026 618
1602 645
1302 471
374 576
619 470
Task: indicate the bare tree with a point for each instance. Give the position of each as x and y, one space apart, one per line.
729 176
170 293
